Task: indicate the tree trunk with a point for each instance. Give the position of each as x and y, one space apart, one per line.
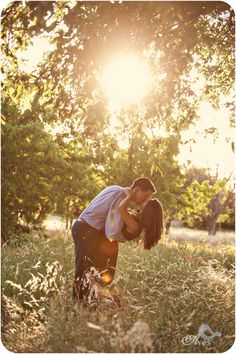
67 213
212 226
167 226
71 221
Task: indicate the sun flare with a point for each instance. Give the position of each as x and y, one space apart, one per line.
126 80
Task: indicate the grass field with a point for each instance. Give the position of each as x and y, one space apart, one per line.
167 293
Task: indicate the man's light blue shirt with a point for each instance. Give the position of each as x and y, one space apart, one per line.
103 213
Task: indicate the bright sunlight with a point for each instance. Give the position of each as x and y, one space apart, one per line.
126 80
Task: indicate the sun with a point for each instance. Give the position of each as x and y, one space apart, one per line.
126 80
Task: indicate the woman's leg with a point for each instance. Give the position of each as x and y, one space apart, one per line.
108 261
108 272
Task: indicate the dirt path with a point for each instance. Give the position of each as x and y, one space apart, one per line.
182 235
55 226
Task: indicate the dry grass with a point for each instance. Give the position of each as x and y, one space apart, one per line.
165 294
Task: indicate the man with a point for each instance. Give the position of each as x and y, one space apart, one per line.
101 217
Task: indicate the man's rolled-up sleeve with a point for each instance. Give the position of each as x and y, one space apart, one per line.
114 222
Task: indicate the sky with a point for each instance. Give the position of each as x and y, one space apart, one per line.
205 152
215 154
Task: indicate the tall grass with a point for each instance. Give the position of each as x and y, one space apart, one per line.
167 293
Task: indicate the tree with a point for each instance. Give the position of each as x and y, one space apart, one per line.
206 203
172 36
29 167
64 92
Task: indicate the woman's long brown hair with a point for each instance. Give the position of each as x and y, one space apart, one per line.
151 220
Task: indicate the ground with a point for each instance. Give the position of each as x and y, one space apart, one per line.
166 295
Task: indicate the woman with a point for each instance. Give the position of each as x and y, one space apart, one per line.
99 263
148 222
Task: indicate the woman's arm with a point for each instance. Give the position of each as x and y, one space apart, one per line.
132 225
